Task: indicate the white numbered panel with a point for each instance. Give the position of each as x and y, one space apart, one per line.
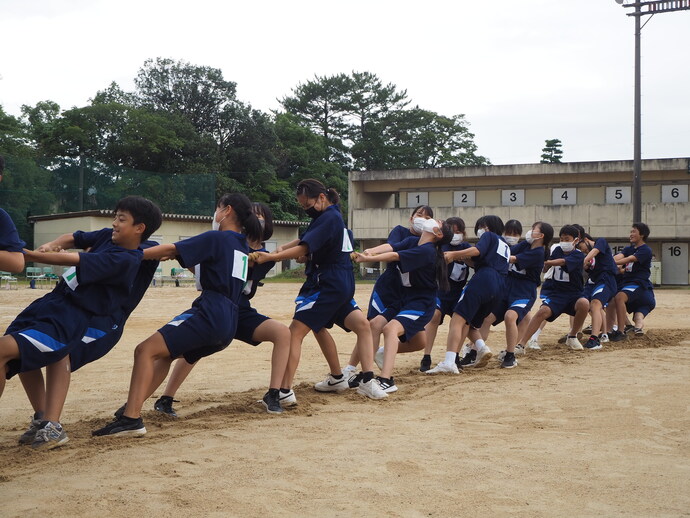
674 194
464 199
617 248
564 196
512 197
417 198
618 194
674 263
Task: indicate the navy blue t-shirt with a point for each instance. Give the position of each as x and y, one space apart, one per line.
457 270
494 253
417 264
529 263
9 237
638 271
257 272
569 276
328 240
603 262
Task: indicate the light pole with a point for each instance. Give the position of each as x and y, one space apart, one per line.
642 9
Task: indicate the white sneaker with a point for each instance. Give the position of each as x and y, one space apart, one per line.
519 349
349 370
483 356
502 355
331 384
288 399
603 338
372 389
533 344
378 358
574 343
464 350
444 368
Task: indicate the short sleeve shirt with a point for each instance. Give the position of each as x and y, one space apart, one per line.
494 253
328 240
568 277
418 261
9 237
529 262
640 270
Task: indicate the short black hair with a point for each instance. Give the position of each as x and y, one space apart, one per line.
569 230
457 222
491 222
642 228
143 211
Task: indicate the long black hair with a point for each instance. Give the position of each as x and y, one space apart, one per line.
264 210
547 230
311 188
245 215
441 269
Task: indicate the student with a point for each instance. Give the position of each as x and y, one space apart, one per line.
563 292
512 232
602 285
252 327
11 256
423 273
98 283
326 296
210 324
490 257
635 294
103 333
445 300
524 277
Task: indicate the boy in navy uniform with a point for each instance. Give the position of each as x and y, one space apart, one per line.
563 292
11 256
635 294
98 283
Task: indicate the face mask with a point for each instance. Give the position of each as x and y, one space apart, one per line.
430 225
262 223
567 246
312 212
480 232
418 225
511 240
457 239
216 224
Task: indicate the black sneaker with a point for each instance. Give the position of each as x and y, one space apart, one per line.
467 360
629 329
120 412
593 344
123 426
638 331
354 380
425 364
164 404
617 336
387 384
509 361
271 402
587 330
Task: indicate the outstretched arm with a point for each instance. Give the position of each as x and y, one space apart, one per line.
161 252
54 258
385 257
290 253
11 261
64 242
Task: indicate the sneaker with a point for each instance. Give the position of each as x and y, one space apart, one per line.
387 384
629 329
287 399
573 343
483 356
587 330
425 364
519 349
533 344
349 370
123 426
331 384
354 380
464 350
29 436
603 338
372 389
593 344
638 331
509 361
271 402
50 436
164 404
120 412
563 339
501 356
617 336
378 358
444 368
468 359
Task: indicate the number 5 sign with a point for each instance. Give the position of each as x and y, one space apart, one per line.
618 194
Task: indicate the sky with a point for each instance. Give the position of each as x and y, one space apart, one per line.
521 71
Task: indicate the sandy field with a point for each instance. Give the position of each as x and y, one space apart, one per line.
567 433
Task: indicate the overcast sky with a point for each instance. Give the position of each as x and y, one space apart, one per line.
521 71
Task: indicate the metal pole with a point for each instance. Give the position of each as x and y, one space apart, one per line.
637 158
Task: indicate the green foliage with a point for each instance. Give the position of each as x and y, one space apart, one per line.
552 152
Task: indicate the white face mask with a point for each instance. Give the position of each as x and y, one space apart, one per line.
480 232
511 240
457 239
567 246
528 237
418 225
216 224
430 225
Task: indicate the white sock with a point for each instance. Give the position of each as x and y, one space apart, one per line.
351 367
380 350
479 344
450 357
615 328
536 334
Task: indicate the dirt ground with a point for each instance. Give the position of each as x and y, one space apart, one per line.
567 433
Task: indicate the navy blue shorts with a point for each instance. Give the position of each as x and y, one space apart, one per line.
480 296
386 296
446 301
520 297
45 332
414 316
101 336
247 322
560 302
603 290
640 299
326 301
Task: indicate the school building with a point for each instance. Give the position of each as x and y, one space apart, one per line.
597 195
175 227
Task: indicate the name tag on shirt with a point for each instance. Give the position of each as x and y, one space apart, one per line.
560 275
347 246
503 250
458 272
70 277
239 266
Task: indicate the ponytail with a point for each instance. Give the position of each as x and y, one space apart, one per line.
245 215
440 267
312 188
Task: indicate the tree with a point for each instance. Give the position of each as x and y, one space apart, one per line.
552 152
